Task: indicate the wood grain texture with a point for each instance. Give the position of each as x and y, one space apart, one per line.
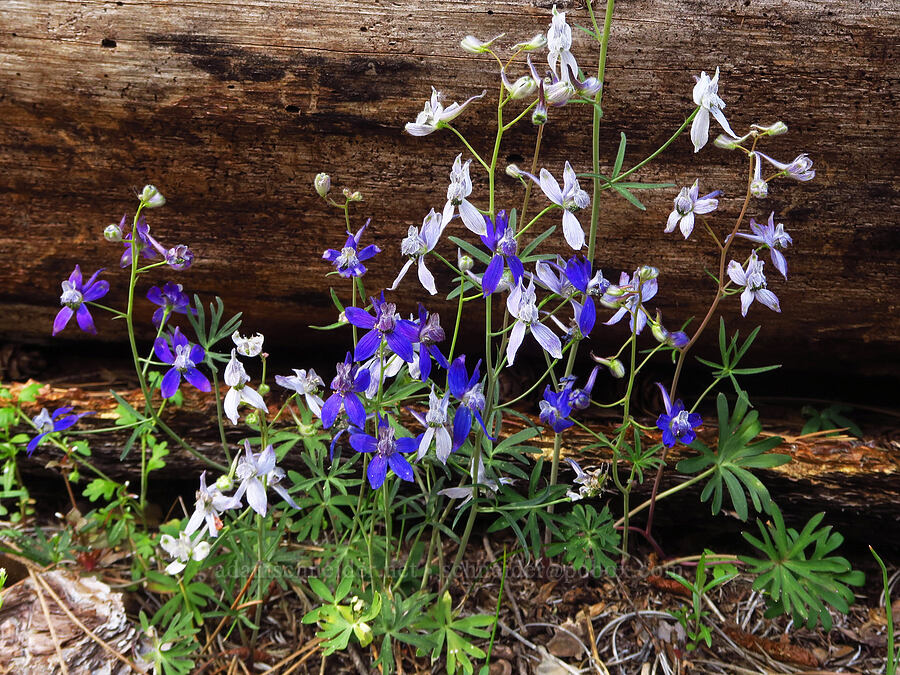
232 107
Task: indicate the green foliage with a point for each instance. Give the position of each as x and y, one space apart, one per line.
735 456
217 331
892 656
589 539
169 653
451 635
731 354
339 622
693 618
798 581
831 417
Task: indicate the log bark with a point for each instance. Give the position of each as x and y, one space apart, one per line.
232 107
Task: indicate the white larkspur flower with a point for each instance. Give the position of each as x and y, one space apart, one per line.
417 244
559 44
248 346
521 304
236 378
257 471
472 44
434 115
706 95
754 282
537 42
392 366
774 238
687 203
571 198
467 492
799 169
210 503
436 424
306 383
183 550
457 192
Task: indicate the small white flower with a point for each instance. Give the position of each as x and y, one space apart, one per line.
210 503
559 44
571 198
706 95
436 424
257 471
472 44
754 282
799 169
417 244
183 550
457 192
537 42
522 305
687 203
151 198
434 116
236 378
307 384
248 346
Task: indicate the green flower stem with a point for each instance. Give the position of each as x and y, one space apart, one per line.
515 120
535 219
656 153
662 495
534 162
263 414
459 308
220 416
118 314
469 147
493 168
387 536
891 666
353 304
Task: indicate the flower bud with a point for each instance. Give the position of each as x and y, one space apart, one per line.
513 171
263 389
356 196
759 188
506 282
537 42
539 116
617 369
772 130
113 233
647 272
475 46
151 198
659 332
322 183
465 262
522 88
224 483
251 418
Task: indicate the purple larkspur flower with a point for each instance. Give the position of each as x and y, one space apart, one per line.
522 305
501 242
469 391
171 299
753 280
386 452
385 325
555 409
347 383
47 423
257 472
624 296
774 238
348 261
579 273
146 243
179 257
75 294
552 276
687 203
183 357
580 398
430 334
676 423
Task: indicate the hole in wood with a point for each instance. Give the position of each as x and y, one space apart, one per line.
108 43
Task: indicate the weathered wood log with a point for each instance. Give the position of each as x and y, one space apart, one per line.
232 107
857 482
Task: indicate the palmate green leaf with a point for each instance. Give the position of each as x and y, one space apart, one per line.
733 458
589 539
798 581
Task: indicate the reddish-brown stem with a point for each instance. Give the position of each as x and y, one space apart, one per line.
703 324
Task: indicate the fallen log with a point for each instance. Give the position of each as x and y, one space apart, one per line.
231 107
